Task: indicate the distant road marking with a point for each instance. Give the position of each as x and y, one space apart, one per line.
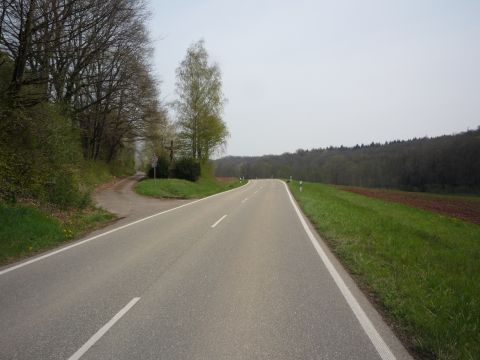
377 341
79 353
31 261
244 200
255 191
218 221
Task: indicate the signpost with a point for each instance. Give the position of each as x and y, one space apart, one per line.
154 166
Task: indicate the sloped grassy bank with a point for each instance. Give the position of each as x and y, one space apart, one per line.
184 189
29 226
27 229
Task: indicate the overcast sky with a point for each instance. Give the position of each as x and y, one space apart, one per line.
309 74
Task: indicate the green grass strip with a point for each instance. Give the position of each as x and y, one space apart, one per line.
25 230
423 268
183 189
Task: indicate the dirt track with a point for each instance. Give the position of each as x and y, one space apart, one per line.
119 198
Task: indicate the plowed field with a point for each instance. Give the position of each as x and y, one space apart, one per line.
464 208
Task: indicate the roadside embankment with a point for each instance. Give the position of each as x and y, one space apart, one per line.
183 189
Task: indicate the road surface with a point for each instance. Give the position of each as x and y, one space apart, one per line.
238 275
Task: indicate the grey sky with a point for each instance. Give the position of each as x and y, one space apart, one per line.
305 74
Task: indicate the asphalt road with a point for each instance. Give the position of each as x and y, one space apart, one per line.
192 283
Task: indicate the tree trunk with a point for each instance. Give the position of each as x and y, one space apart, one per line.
25 39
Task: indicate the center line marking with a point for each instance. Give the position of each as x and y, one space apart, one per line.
79 353
218 221
244 200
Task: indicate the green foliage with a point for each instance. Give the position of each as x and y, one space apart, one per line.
422 267
184 189
58 107
187 169
200 104
161 170
62 190
124 162
26 229
37 157
89 174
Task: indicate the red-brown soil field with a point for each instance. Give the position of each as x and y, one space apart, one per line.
464 208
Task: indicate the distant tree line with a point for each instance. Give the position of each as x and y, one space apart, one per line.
447 163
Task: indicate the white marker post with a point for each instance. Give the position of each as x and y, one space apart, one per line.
300 185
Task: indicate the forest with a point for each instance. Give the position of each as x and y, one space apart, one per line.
78 95
75 89
449 163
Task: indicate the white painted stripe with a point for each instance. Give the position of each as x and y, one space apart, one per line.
244 200
79 353
377 341
255 191
31 261
218 221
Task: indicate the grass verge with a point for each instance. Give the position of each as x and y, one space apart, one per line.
27 229
183 189
422 267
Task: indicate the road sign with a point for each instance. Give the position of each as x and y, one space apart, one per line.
154 160
154 166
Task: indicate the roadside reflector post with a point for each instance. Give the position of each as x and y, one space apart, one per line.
301 185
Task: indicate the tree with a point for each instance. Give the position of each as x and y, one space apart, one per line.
90 57
72 67
200 104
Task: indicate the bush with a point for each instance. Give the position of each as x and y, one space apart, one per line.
187 169
63 190
161 170
37 159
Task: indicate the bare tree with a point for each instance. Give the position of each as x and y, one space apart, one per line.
90 56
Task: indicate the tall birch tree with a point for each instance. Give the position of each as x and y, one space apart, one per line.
200 104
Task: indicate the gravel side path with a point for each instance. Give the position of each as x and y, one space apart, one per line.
120 198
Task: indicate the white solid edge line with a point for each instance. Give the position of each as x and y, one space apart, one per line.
218 221
31 261
79 353
377 341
